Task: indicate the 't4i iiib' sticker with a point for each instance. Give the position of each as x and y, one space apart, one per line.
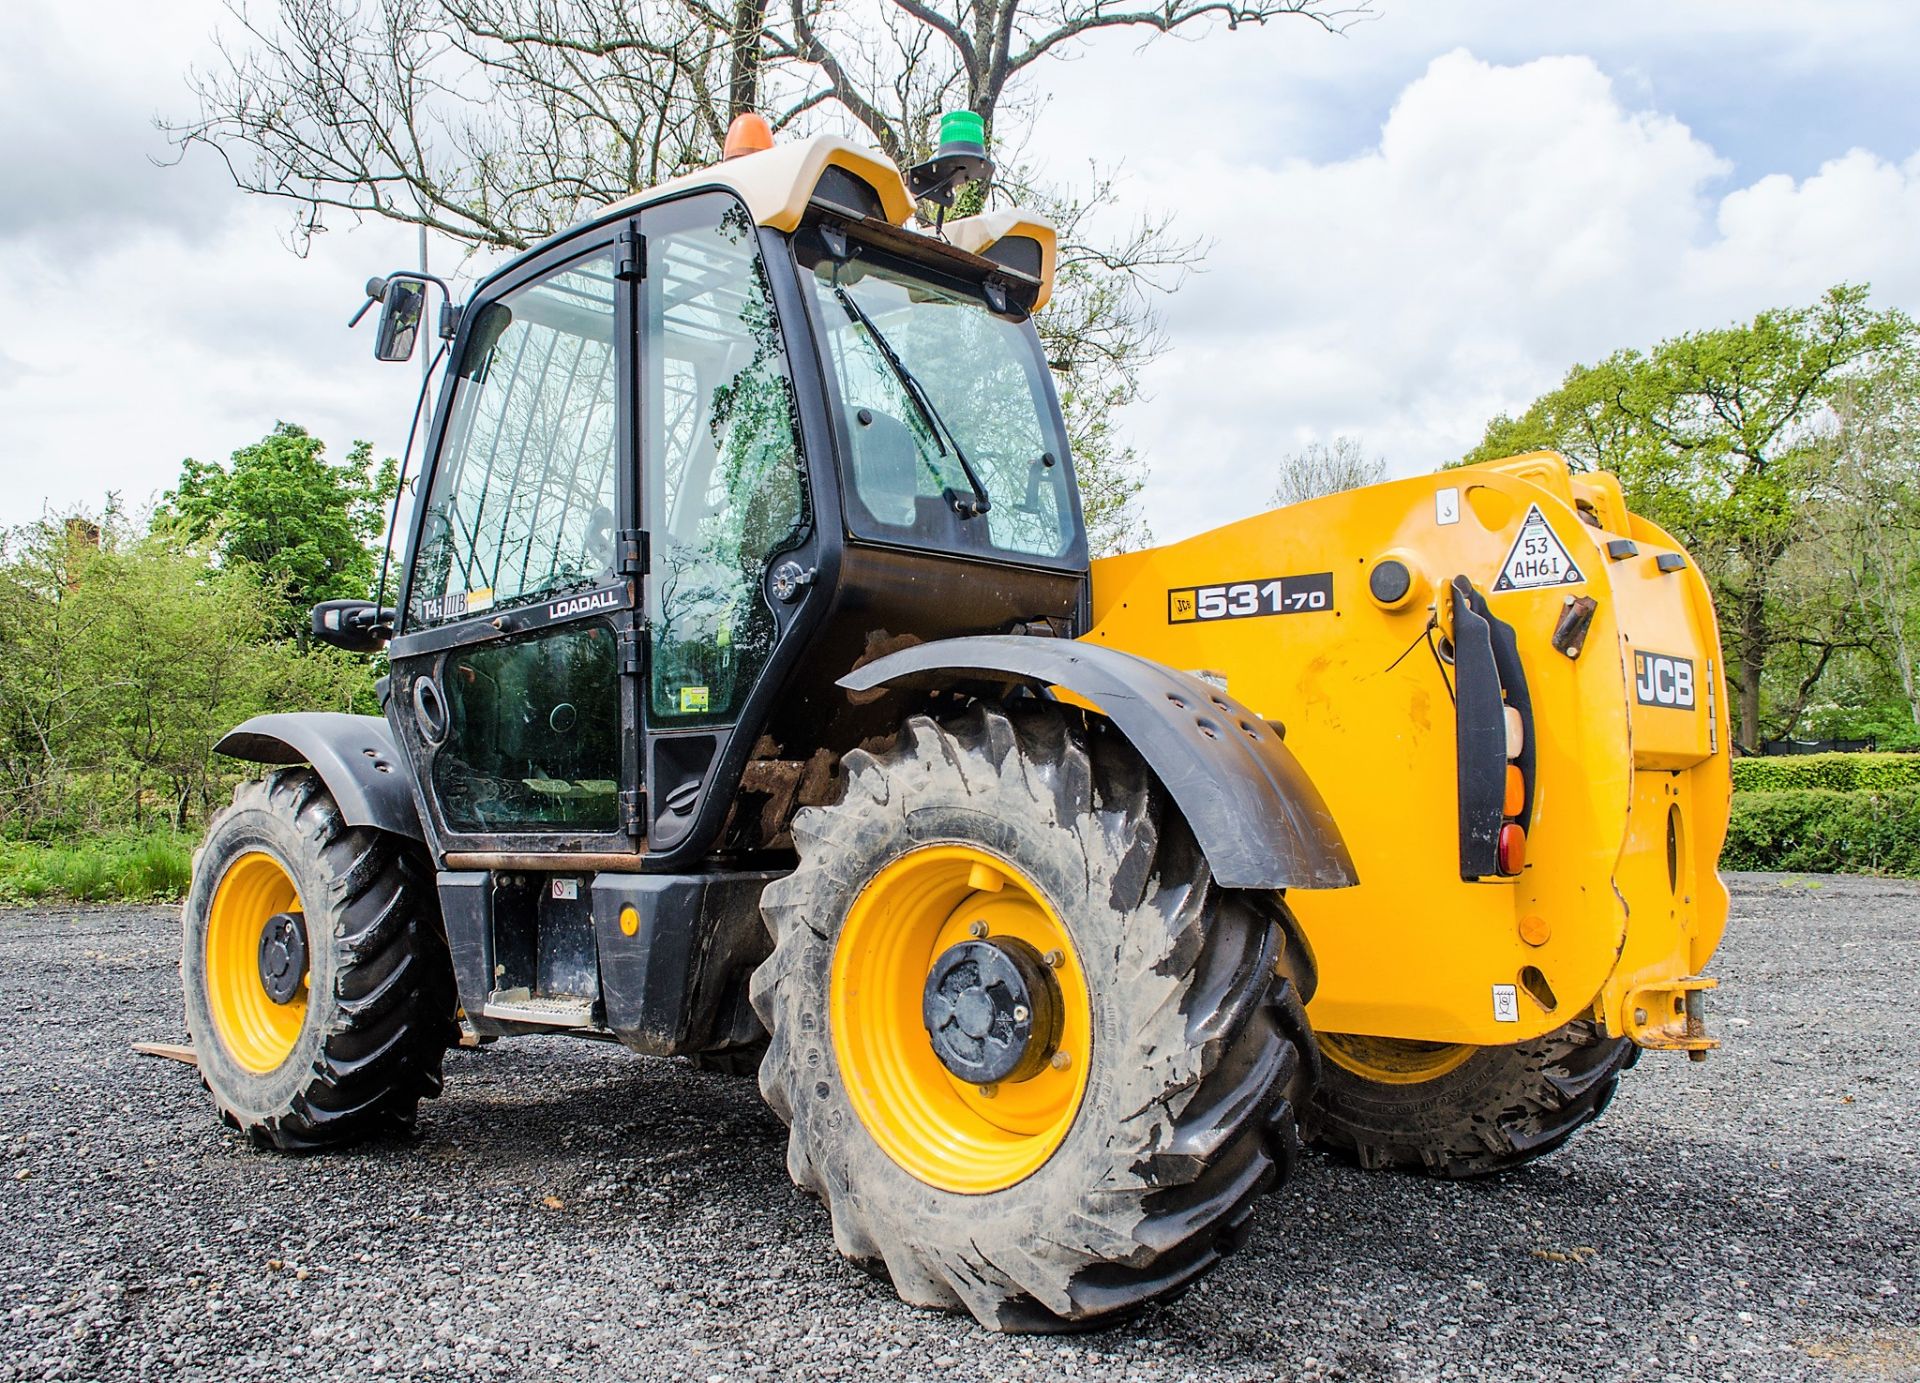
1538 558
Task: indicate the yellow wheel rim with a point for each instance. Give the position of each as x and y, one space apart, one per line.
1394 1060
257 1033
940 1128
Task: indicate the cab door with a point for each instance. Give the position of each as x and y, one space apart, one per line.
725 501
515 682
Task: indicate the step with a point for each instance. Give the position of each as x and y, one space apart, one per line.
518 1006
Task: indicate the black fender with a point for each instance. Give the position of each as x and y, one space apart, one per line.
355 757
1255 813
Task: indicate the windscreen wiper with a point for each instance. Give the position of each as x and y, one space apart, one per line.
929 415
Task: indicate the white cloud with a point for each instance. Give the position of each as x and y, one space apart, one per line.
1405 239
1509 221
160 346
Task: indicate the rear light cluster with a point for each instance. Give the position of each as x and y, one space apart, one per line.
1510 852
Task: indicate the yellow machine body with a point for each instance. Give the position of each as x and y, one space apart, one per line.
1618 906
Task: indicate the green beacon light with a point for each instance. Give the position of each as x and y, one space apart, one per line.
961 158
963 132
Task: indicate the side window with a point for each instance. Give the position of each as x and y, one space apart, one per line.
725 477
521 505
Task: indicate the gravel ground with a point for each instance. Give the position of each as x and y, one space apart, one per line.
576 1212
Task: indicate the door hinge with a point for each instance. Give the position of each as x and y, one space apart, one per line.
634 553
630 256
633 811
631 649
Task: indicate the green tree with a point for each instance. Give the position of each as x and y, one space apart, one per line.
1869 515
1719 437
48 702
304 525
169 650
123 658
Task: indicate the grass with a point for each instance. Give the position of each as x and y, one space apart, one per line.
115 868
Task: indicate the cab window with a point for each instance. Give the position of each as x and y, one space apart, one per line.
521 505
721 458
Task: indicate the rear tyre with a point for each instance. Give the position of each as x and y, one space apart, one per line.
1452 1110
1084 1184
332 1027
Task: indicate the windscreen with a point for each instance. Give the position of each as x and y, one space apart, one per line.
941 402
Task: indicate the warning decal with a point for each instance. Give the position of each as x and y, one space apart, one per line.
1538 558
1506 1003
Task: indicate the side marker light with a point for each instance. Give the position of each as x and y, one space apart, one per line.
1516 794
1511 852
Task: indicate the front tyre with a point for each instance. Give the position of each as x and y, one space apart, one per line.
1452 1110
318 988
1034 1060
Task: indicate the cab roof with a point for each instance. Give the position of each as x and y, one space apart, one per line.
777 186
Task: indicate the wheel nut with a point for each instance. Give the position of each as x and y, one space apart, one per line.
987 1092
1019 1013
976 929
1061 1061
1055 959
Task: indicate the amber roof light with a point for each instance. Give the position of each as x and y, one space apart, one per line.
748 134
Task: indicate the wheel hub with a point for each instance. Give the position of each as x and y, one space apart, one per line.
283 955
992 1010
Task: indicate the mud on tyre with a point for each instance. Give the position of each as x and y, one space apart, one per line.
1456 1111
1076 1195
331 1028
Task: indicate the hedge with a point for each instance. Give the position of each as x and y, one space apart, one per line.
1834 772
1817 830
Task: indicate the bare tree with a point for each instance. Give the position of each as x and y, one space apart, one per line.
972 53
491 122
1319 469
497 122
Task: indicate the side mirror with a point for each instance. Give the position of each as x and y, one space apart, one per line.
359 626
403 304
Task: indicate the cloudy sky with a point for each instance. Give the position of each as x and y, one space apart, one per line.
1410 227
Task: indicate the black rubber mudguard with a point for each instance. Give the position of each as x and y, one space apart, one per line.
355 757
1254 811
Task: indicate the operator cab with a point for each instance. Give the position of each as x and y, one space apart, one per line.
692 461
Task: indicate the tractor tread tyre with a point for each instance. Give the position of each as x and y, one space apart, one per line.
381 1004
1202 1059
1500 1109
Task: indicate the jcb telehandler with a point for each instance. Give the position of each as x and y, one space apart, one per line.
752 699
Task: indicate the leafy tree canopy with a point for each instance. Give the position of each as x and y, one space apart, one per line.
303 524
1720 437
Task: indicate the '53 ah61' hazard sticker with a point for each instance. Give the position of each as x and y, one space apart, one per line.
1538 558
1271 595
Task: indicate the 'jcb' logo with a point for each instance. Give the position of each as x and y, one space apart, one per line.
1660 679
